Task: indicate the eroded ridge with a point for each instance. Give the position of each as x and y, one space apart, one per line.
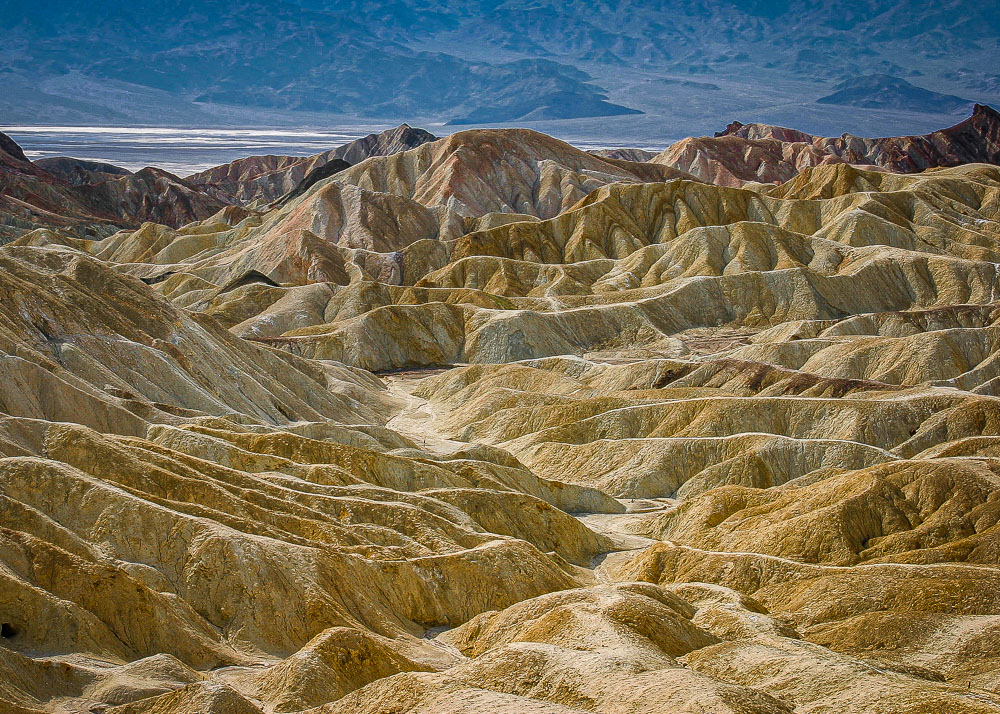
493 424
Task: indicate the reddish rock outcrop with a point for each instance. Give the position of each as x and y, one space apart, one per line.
774 154
31 197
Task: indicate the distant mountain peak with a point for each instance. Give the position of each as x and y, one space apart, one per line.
885 91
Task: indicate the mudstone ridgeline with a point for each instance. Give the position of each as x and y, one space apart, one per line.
489 423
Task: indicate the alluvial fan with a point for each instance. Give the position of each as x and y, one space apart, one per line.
489 423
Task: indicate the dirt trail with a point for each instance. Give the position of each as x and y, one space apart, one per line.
419 421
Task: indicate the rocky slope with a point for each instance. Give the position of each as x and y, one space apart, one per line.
80 171
759 152
267 178
91 200
639 155
494 424
94 199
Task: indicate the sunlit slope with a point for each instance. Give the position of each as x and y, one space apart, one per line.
658 445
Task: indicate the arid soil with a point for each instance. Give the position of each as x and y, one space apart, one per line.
493 424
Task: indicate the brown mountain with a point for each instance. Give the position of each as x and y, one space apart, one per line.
31 197
735 160
154 195
480 171
10 153
388 217
761 152
80 171
267 178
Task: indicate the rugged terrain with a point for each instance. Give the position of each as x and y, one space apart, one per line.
761 153
267 178
495 424
89 199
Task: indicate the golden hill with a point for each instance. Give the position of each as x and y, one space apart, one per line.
494 424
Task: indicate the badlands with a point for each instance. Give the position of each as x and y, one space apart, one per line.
491 424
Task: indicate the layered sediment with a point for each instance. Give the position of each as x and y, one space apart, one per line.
494 424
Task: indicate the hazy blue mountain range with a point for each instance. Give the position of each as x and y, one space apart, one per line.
887 92
484 61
